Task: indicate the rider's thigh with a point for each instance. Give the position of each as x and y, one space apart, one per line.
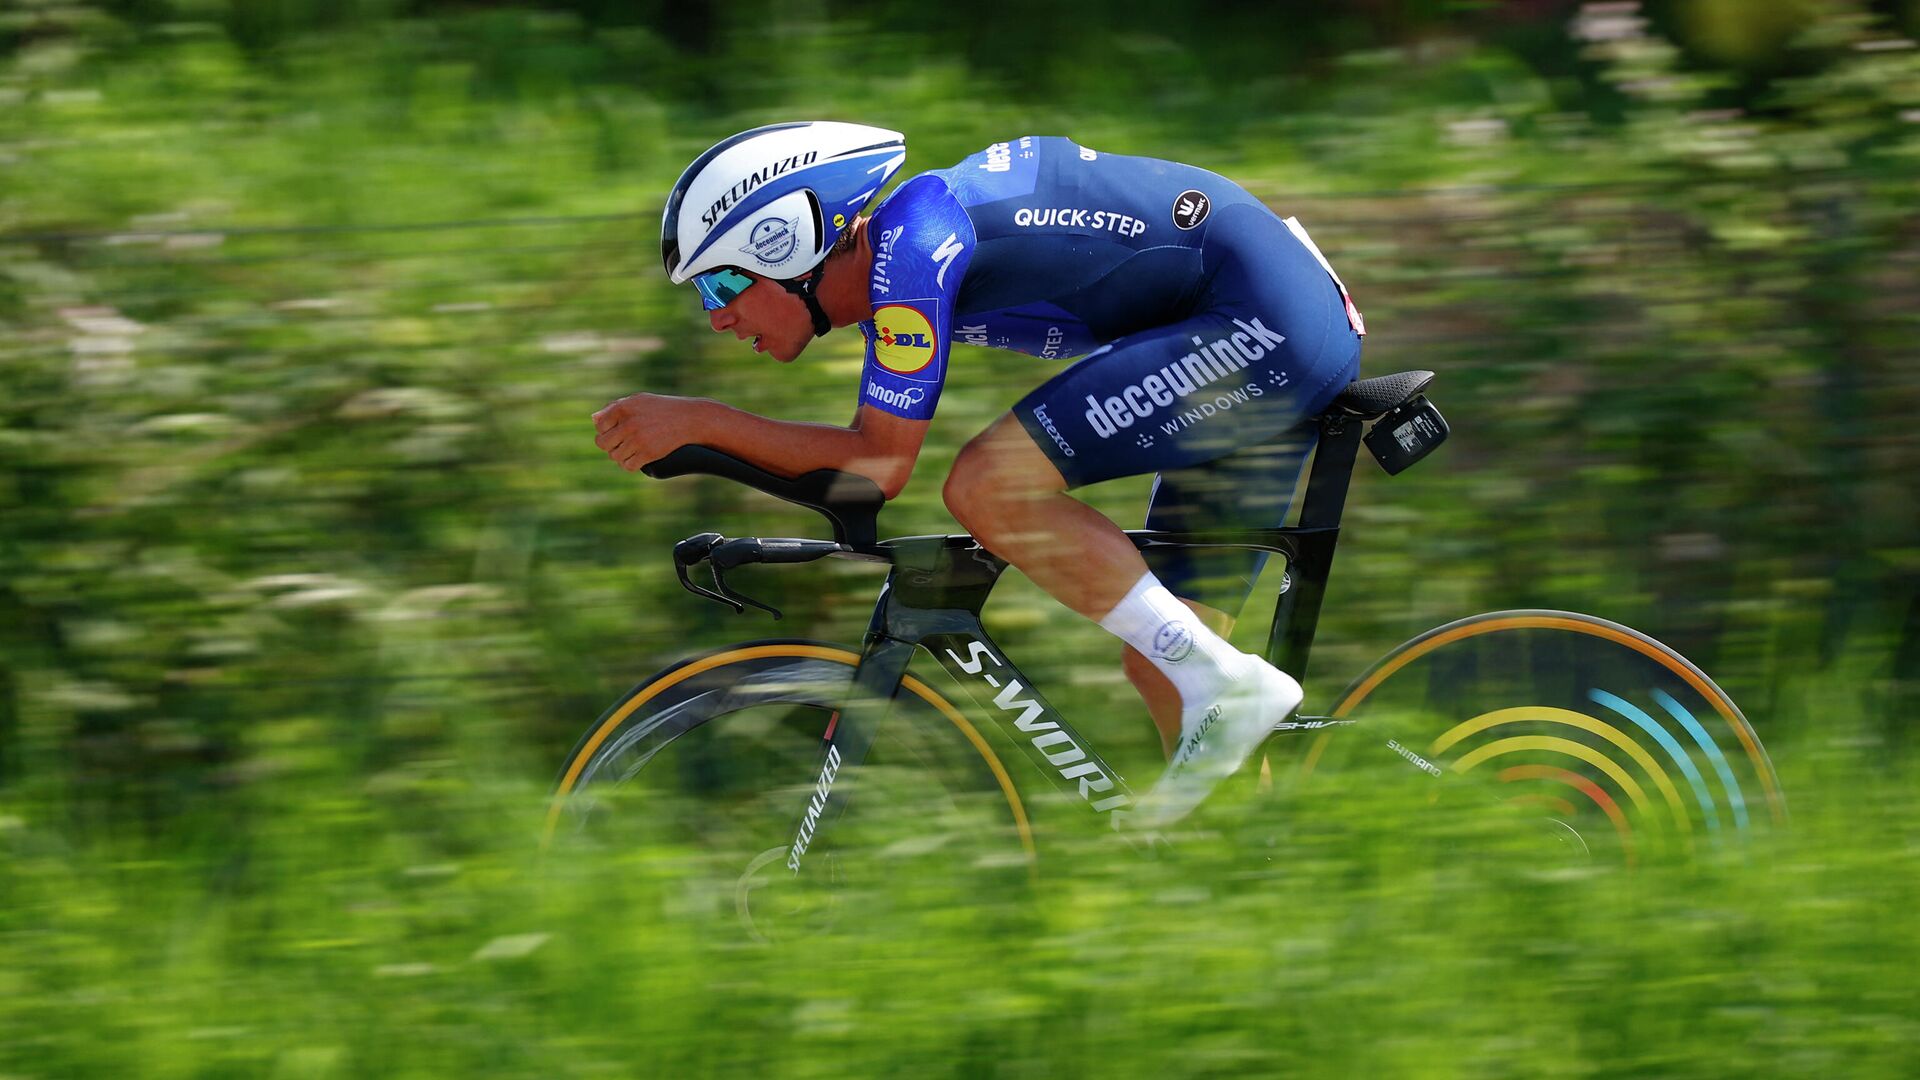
1219 404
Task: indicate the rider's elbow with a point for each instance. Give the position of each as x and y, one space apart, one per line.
888 473
887 448
892 480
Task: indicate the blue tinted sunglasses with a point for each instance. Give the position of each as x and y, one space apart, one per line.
717 288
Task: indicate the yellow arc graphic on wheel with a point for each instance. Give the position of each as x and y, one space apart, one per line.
1556 745
1541 713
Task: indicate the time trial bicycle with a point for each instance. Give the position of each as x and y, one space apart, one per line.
1607 739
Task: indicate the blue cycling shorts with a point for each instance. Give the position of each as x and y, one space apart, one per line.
1219 404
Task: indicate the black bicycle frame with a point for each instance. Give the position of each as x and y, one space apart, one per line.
932 600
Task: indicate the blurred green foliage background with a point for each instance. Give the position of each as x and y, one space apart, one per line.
310 572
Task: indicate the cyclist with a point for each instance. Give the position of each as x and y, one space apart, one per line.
1210 331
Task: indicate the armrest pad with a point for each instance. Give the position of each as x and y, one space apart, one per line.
851 503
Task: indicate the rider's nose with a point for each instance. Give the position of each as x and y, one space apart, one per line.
720 319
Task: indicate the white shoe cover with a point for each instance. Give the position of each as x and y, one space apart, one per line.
1211 750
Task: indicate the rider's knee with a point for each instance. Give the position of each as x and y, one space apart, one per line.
958 492
996 471
972 481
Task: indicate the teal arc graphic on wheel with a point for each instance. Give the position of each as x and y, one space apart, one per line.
1603 727
1708 808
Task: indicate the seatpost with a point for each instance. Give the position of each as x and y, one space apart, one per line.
1297 613
1332 472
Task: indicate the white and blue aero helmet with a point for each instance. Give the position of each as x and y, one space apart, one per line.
774 199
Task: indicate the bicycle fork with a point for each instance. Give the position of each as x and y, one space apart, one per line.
849 735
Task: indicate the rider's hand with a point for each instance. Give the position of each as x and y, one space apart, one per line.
643 428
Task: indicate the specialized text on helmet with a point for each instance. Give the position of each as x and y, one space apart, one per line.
752 181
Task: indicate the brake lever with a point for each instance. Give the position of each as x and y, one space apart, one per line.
728 555
696 549
739 598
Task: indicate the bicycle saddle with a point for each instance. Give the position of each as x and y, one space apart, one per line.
1369 399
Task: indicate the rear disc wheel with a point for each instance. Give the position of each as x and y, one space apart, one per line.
1609 743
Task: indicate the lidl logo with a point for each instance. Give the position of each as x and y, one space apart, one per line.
902 339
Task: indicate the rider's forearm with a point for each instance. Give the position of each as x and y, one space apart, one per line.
791 447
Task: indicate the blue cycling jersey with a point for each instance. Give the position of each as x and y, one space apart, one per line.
1211 329
1037 245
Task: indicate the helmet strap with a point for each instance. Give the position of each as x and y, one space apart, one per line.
805 289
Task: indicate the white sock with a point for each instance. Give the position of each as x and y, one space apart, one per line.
1199 663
